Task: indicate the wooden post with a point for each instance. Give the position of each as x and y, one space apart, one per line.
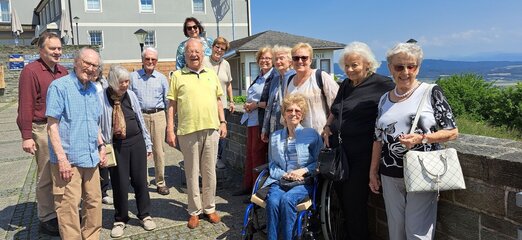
2 80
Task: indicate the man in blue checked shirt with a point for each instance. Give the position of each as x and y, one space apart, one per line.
151 88
76 148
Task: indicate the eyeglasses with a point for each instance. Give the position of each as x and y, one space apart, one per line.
219 48
400 68
303 58
265 58
292 110
194 27
88 64
151 59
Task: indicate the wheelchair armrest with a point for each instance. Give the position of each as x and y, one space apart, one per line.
260 168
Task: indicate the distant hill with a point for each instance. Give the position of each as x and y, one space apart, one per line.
433 69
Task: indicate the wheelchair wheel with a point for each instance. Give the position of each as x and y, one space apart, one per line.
303 227
331 213
247 233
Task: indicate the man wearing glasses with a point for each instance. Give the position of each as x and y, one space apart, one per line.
76 148
34 81
151 88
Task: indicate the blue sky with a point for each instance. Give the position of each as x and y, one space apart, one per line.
446 29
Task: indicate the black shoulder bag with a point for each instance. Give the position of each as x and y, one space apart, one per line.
333 163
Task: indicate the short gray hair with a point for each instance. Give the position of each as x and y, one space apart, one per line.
117 73
410 49
363 50
154 50
282 49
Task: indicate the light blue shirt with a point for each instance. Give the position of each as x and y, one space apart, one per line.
78 111
150 90
106 118
308 144
180 54
254 95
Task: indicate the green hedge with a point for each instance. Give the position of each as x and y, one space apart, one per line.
471 95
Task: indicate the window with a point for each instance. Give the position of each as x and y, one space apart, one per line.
146 5
57 6
325 65
5 15
93 5
51 9
198 6
150 40
254 71
96 37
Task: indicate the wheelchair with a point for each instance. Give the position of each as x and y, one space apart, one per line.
320 216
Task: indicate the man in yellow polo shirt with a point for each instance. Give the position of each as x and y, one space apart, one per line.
194 94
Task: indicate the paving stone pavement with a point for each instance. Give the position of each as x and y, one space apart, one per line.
18 214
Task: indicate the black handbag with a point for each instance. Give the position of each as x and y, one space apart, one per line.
286 184
333 162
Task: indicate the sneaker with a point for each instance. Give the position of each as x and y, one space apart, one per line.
148 224
220 164
107 200
117 229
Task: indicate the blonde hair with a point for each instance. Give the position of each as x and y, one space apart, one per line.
305 46
297 99
262 51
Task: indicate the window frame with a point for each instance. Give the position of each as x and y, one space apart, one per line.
251 67
140 7
89 36
153 38
326 61
6 14
204 7
87 9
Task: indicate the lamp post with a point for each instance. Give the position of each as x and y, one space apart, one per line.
141 35
76 19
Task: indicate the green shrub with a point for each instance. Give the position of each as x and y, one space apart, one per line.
506 107
240 99
467 94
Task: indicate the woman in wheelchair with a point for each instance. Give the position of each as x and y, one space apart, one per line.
293 153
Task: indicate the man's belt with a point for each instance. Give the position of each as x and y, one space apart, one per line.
152 110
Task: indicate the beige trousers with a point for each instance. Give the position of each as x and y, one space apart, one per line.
156 124
44 186
200 152
84 188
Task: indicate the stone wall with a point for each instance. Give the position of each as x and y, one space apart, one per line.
485 210
10 93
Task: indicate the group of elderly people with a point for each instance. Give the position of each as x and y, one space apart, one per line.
302 108
290 113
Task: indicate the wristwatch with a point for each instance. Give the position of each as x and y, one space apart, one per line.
424 139
101 145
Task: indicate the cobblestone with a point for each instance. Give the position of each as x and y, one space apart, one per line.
169 212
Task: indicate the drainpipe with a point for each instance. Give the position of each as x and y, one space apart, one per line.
248 17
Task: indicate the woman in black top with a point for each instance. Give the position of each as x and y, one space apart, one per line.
360 94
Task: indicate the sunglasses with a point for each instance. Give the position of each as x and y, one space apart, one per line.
290 110
303 58
400 68
195 27
219 48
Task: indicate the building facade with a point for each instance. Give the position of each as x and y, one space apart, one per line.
111 24
27 19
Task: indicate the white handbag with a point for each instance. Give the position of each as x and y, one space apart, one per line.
434 170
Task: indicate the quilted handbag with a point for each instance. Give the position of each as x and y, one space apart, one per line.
433 170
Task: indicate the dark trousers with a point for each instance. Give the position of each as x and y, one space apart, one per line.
221 147
131 168
354 191
104 181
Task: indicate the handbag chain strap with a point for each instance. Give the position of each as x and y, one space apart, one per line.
421 104
436 176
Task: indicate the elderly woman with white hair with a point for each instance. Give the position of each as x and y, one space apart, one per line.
123 125
357 99
410 215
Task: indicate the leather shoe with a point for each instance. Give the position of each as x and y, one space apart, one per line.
49 227
163 190
241 192
213 217
193 221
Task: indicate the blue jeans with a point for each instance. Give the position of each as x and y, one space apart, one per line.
281 209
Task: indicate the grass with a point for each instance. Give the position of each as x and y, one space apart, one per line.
467 125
